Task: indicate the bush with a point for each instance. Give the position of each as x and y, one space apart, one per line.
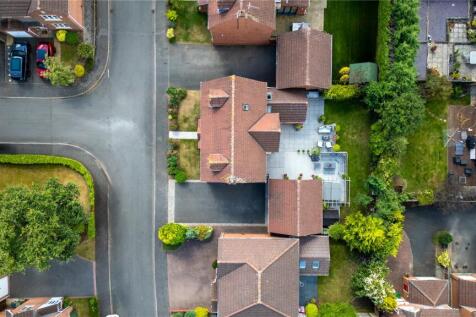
172 163
58 72
85 50
437 87
337 309
336 147
298 126
173 234
170 34
79 70
444 238
342 92
443 259
337 128
172 15
425 197
72 38
336 231
190 313
61 35
344 71
204 232
311 310
344 79
89 64
176 95
201 312
192 233
93 307
177 314
180 176
215 264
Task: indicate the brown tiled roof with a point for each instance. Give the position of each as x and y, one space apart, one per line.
463 289
257 276
439 312
304 60
468 311
430 291
14 8
247 22
217 162
290 104
295 207
224 131
267 132
55 6
315 248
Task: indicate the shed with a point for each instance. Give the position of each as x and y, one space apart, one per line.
363 73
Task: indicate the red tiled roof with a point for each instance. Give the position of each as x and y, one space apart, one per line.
428 291
295 3
257 276
304 60
224 131
295 207
267 132
463 289
247 22
291 104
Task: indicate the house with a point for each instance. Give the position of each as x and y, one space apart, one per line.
295 207
257 276
291 104
304 60
40 18
41 306
430 291
314 255
463 290
235 131
361 73
241 22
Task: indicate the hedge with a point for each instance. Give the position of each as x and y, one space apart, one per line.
34 159
383 35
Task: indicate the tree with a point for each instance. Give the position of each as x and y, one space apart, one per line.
444 238
172 234
311 310
201 311
437 87
58 73
342 92
85 50
337 309
38 225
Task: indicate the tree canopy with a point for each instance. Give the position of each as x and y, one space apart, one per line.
39 224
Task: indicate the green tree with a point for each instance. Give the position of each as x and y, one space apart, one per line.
337 309
437 87
311 310
39 224
173 234
58 73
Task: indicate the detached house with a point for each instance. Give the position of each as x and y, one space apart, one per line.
41 306
463 290
40 18
430 291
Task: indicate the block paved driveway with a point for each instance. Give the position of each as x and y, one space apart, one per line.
422 222
198 202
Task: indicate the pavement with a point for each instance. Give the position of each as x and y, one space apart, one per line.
75 278
422 222
401 264
198 202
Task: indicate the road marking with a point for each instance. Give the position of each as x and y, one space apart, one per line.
108 73
171 201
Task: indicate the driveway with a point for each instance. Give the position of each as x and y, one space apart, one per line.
422 222
198 202
191 64
75 278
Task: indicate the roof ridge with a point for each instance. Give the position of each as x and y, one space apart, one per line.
280 254
428 297
308 38
275 309
298 206
232 160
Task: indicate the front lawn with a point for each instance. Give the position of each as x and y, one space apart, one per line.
424 166
189 111
354 120
189 158
69 54
353 25
191 24
83 307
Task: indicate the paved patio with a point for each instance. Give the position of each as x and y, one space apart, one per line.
439 59
314 16
457 34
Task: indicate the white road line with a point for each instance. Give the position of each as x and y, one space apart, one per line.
171 201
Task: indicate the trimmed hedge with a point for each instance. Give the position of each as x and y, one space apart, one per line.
383 35
35 159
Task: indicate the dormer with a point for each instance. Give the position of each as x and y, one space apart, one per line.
217 162
217 98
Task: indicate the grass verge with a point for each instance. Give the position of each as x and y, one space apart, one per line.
191 25
346 20
69 54
83 307
189 111
354 120
424 164
189 158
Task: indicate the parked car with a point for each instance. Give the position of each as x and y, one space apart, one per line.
18 61
43 50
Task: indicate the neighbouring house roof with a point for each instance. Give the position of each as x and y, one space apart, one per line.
315 247
246 22
41 306
439 312
304 60
295 207
295 3
363 73
463 289
290 104
235 135
416 310
257 276
14 8
429 291
468 311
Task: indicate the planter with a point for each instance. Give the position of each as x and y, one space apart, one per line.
315 157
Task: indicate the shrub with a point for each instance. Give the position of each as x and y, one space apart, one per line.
176 95
342 92
61 35
170 34
336 147
85 50
473 23
204 232
298 126
72 38
79 70
93 307
443 259
173 234
344 70
344 79
192 233
177 314
172 163
172 15
336 231
180 176
437 87
190 313
201 311
58 73
89 64
337 309
444 238
311 310
425 197
337 128
389 303
215 264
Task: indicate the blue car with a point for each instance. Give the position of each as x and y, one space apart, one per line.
18 61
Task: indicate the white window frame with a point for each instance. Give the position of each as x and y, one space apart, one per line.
51 18
62 26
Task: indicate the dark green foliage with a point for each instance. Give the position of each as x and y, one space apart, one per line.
173 234
190 313
89 64
72 38
177 314
93 307
172 163
39 224
180 176
176 95
215 264
337 309
92 226
437 87
444 238
85 50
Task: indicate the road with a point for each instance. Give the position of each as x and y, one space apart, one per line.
122 122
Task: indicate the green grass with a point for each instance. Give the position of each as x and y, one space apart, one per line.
354 120
69 54
189 111
336 286
87 249
191 25
189 158
424 165
353 25
383 35
81 306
